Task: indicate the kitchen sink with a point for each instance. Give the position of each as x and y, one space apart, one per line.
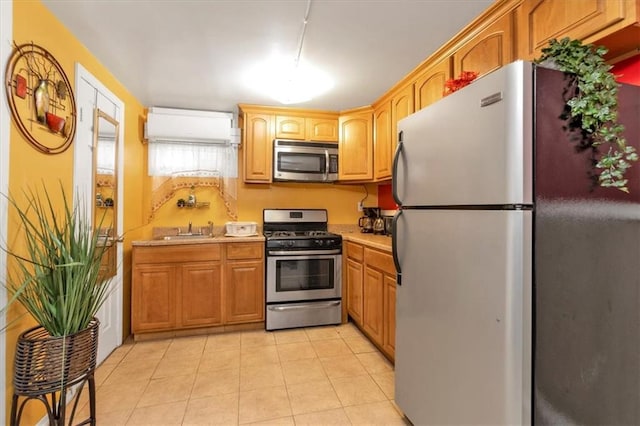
188 237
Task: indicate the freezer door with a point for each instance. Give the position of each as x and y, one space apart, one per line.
463 315
472 147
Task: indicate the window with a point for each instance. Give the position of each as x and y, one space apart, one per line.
193 159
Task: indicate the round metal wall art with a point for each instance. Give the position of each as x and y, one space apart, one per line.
40 98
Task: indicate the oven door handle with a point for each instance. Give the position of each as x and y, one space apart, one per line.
314 305
302 252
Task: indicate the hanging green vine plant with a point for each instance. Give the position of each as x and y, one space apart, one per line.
593 106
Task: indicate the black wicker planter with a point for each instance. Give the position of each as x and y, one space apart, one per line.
45 367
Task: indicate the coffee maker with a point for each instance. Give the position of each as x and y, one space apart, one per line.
366 222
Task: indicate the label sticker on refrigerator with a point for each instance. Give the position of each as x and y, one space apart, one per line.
491 99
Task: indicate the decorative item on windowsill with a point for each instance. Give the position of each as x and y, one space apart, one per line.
592 108
58 282
455 84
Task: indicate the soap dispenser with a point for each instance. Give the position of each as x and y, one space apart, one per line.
191 201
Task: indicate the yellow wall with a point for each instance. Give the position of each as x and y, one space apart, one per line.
32 21
28 167
339 200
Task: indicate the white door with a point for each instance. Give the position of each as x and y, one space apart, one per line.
91 94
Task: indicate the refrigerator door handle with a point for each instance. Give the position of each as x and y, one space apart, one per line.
394 245
394 170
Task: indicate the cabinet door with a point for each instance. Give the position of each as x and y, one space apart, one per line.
153 298
543 20
373 312
201 294
489 50
356 147
258 147
354 277
244 288
290 127
401 106
322 129
429 87
389 341
382 136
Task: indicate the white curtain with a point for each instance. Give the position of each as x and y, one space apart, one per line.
106 161
192 159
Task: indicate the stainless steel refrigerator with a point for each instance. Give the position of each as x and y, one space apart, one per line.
518 278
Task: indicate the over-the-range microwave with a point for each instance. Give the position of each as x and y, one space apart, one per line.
305 161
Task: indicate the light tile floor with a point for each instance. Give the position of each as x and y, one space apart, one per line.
314 376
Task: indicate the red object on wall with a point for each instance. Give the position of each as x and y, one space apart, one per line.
385 198
628 71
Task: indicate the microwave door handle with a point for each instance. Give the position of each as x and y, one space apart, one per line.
326 164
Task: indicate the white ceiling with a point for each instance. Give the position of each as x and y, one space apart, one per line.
193 54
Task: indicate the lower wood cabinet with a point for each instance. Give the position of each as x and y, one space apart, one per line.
200 285
389 314
201 294
245 292
373 315
354 277
153 298
371 294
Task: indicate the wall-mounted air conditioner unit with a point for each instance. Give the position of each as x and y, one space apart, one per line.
185 125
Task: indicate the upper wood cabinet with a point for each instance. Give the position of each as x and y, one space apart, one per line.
262 124
307 128
355 160
429 86
322 129
401 106
290 127
382 145
257 146
587 20
488 50
386 115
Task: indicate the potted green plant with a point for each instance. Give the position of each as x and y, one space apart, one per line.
592 107
58 282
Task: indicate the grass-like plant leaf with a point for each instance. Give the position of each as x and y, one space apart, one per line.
58 279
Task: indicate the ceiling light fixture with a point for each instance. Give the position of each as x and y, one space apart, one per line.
290 81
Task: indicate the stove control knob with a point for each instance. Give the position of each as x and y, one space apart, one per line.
290 243
319 242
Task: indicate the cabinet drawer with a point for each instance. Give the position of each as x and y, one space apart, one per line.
244 250
177 253
354 251
379 260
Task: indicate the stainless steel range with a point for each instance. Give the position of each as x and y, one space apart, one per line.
303 269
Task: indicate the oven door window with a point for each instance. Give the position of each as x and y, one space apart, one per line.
296 278
307 274
301 162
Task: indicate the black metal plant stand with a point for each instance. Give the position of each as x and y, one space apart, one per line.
45 367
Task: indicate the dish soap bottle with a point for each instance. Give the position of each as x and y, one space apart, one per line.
191 201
